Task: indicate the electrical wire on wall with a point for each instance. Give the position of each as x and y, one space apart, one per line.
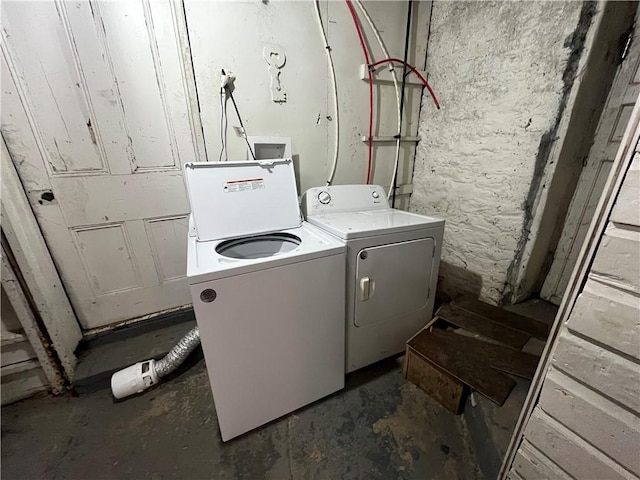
399 94
224 123
332 74
367 62
413 70
392 189
396 87
227 86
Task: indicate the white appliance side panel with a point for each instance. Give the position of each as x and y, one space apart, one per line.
273 340
392 280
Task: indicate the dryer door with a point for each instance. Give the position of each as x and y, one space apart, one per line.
392 280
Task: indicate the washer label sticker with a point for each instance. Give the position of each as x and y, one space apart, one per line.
244 185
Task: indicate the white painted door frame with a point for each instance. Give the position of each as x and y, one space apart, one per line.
32 256
611 126
624 157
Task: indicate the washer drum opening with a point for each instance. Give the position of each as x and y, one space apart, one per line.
260 246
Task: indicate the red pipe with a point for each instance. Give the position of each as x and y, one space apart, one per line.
412 69
366 58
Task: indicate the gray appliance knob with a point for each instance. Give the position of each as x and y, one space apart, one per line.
324 197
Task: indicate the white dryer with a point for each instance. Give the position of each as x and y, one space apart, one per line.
392 267
267 290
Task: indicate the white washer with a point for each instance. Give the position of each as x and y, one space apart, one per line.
267 290
392 267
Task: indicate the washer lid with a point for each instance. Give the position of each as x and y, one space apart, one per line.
235 199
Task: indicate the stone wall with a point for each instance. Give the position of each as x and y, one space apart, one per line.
500 70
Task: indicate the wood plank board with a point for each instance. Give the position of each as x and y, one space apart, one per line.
22 385
606 372
17 353
627 208
444 388
530 463
616 258
17 300
443 349
606 425
534 328
500 357
609 316
483 325
563 447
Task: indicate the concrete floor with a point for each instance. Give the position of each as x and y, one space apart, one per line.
378 427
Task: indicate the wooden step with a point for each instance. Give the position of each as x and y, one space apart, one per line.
529 326
483 326
499 357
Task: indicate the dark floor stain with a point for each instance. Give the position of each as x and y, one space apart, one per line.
378 427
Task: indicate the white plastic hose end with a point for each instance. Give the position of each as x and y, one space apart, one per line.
134 379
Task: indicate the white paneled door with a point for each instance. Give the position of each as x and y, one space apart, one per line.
613 121
99 113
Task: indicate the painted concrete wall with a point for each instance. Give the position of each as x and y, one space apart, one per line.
233 36
587 421
499 68
103 106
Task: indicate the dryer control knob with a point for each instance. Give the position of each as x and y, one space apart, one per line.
375 194
324 197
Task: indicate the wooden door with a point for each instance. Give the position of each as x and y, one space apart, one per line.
613 121
99 114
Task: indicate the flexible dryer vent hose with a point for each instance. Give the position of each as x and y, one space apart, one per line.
137 378
178 353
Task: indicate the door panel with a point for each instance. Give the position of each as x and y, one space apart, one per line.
62 115
167 237
129 38
613 122
392 280
107 256
98 116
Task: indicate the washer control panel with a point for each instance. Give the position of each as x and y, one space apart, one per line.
343 198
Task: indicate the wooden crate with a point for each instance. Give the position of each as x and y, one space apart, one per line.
444 388
471 345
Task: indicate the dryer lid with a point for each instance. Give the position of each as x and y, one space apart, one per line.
235 199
